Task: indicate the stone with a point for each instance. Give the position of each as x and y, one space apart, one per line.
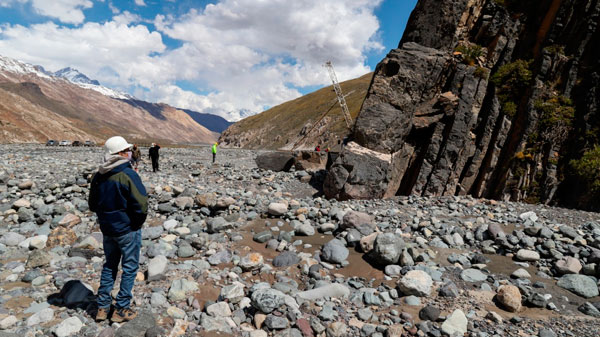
586 308
527 255
276 323
180 289
367 243
334 251
220 257
510 297
286 259
252 261
263 237
233 292
275 161
496 230
416 282
387 248
40 317
267 300
334 290
581 285
138 326
12 239
310 161
455 324
217 225
219 309
520 273
568 265
305 229
429 313
354 219
157 268
277 209
68 327
473 275
8 322
336 329
38 258
69 220
449 289
362 173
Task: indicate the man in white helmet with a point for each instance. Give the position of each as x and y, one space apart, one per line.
120 201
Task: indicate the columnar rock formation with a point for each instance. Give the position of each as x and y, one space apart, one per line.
484 97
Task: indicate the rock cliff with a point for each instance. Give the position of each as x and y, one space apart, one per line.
491 98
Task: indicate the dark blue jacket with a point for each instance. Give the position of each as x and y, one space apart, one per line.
119 200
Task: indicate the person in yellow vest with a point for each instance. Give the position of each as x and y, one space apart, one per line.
214 151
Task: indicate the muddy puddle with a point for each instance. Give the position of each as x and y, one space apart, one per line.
358 267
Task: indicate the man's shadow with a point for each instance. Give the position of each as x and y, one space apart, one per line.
75 295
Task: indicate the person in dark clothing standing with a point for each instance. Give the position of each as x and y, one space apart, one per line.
153 153
120 201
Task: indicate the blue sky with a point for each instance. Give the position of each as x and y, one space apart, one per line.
228 57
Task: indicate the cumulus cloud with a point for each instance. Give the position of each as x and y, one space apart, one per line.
236 57
92 48
257 53
140 2
68 11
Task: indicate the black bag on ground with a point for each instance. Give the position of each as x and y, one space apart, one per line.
74 294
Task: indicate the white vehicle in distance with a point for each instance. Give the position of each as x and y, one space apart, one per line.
64 143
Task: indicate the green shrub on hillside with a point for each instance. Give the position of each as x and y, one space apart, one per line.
470 53
557 110
511 81
588 168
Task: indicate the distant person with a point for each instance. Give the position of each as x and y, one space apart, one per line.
153 154
136 156
318 148
120 201
327 149
214 151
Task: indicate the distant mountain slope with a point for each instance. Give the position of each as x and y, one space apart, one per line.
282 126
36 105
212 122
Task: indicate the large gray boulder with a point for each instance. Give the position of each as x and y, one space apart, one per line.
275 161
387 248
579 284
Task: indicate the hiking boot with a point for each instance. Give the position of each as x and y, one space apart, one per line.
123 315
102 314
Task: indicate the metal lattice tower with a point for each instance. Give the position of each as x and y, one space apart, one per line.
338 92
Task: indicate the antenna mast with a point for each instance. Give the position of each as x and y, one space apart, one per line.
340 96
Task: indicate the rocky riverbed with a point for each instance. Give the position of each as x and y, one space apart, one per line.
229 249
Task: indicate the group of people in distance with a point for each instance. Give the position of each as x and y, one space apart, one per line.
120 201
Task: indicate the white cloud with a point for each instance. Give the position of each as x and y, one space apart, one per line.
240 55
127 18
68 11
140 2
92 48
256 58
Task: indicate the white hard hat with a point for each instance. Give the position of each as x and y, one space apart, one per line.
116 144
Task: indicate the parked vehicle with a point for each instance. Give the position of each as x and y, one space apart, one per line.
89 143
51 142
64 143
76 143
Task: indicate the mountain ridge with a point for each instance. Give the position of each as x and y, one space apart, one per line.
32 99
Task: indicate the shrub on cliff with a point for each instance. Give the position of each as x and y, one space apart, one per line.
511 81
588 168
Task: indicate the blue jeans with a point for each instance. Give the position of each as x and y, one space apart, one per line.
124 249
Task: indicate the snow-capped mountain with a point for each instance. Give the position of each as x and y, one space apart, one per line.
37 105
19 67
75 76
72 75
